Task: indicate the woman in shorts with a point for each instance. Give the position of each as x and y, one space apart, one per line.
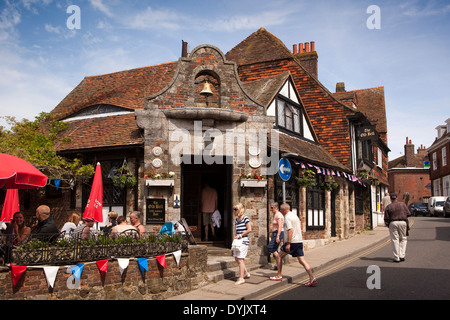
242 229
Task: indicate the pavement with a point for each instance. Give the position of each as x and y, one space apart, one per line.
223 287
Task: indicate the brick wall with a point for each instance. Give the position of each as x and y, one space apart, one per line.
158 283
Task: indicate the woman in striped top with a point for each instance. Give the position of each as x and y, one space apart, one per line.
242 229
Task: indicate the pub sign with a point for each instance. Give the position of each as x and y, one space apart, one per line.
367 133
155 211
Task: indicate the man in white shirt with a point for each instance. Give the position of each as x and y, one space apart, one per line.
293 244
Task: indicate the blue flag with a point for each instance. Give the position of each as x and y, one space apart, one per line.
77 270
143 266
57 183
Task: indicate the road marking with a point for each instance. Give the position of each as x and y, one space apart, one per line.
327 271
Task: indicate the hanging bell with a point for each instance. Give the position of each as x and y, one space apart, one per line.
206 90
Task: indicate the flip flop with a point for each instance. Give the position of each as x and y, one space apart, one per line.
276 278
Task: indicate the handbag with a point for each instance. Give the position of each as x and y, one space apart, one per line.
236 245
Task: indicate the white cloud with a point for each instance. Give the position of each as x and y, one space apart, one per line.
414 9
52 29
155 19
98 4
246 22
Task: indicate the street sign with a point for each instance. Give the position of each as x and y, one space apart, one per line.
284 169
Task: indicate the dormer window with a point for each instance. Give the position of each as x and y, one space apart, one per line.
98 111
289 114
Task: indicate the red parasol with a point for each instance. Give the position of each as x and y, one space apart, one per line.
94 206
17 173
11 205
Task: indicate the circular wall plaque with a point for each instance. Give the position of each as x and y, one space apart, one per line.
254 162
157 151
157 163
254 151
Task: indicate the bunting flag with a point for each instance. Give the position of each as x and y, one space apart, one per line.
123 264
162 260
51 272
102 266
16 273
177 255
50 275
57 183
143 266
77 270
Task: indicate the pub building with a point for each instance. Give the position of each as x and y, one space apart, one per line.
177 125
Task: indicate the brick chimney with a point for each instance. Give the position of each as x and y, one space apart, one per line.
409 154
422 150
340 87
184 49
307 55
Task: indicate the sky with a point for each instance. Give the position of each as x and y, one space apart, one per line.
47 47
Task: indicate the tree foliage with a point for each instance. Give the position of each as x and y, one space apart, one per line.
35 141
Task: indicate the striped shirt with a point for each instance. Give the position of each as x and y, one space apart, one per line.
241 228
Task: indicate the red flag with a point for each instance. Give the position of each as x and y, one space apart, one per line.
11 205
162 260
102 266
16 272
94 206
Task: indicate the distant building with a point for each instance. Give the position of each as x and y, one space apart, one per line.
439 154
409 175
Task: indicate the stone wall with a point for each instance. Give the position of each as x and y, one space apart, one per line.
156 284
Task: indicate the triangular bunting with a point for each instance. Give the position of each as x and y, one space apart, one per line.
143 266
162 260
16 273
123 264
102 266
50 275
57 183
177 255
77 270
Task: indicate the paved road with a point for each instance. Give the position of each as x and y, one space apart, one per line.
424 275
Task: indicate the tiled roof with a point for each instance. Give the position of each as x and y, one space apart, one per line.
371 103
308 151
265 89
126 89
328 115
259 46
104 132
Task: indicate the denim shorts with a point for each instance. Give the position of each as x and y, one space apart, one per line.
273 245
296 249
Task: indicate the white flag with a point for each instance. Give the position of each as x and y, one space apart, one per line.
123 264
177 255
50 275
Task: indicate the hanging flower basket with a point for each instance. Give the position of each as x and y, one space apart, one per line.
307 179
329 184
123 178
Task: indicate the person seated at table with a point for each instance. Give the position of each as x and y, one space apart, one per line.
123 226
46 229
112 217
17 231
83 231
135 219
70 226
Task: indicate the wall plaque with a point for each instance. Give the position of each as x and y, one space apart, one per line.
155 211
